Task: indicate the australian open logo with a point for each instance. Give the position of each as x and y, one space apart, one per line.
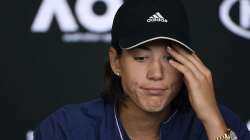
248 125
240 26
93 16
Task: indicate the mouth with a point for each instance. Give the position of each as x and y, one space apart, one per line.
154 91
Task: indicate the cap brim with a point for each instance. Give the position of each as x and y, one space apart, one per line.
156 38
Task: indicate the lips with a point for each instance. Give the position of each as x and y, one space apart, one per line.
154 91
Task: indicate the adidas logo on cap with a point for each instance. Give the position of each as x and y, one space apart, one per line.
157 17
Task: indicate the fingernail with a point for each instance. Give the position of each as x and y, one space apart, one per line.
171 61
169 48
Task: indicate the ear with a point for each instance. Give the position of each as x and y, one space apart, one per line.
114 61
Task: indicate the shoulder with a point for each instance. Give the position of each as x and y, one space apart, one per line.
72 118
196 129
228 115
234 122
85 112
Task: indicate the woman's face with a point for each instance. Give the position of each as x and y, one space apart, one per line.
147 78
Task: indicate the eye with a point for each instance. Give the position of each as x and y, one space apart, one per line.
168 57
140 58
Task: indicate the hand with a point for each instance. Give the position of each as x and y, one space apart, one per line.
199 83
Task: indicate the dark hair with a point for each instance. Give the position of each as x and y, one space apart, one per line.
113 88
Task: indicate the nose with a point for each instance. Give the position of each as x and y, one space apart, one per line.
155 71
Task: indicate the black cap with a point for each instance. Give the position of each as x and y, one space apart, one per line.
140 21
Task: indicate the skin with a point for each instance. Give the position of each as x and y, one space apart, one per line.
151 80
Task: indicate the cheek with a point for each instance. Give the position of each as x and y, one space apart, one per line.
131 77
174 78
176 86
132 71
176 75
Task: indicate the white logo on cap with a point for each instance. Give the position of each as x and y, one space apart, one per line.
157 17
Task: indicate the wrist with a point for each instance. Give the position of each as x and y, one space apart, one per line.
214 126
210 114
228 135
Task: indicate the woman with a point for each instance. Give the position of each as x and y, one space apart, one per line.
156 86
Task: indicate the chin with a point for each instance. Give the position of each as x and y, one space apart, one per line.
153 106
153 110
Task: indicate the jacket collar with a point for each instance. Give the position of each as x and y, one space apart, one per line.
119 127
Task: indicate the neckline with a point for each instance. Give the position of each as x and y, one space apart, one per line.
120 128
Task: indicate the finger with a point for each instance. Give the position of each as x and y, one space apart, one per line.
191 56
183 60
195 60
188 74
203 67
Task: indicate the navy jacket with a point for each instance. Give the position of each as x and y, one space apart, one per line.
98 120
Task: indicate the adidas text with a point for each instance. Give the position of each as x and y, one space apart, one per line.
157 20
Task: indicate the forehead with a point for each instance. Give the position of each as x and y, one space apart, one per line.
159 42
154 47
155 43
